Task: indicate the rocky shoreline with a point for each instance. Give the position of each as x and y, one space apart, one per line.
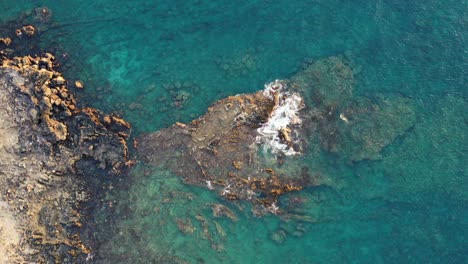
48 148
54 153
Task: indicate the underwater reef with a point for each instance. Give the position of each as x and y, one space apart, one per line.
243 148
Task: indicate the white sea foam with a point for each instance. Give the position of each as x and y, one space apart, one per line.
273 208
285 115
226 190
209 185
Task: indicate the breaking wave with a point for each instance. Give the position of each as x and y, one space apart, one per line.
278 133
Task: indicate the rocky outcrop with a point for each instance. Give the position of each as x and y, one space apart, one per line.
48 146
242 147
220 150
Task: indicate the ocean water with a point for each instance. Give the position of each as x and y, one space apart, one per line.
408 206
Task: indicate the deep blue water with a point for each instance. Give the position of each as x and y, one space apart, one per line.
410 206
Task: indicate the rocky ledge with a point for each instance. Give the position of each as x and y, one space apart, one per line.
48 148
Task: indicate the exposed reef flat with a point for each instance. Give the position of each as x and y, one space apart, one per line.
48 147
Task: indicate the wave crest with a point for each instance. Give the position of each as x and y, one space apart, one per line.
279 133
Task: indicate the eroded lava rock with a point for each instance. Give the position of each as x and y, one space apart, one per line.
47 145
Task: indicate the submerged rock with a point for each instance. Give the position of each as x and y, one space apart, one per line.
42 14
326 82
278 236
220 210
46 144
371 125
353 127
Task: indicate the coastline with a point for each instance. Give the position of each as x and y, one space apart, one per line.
48 147
382 128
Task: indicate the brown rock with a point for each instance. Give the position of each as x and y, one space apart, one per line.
47 204
59 80
47 91
79 84
29 30
6 41
237 164
107 119
64 94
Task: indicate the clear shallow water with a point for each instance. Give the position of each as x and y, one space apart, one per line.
408 207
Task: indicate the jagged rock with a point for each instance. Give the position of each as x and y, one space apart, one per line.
6 41
79 84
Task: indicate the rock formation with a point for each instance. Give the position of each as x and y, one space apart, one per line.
48 145
220 149
230 149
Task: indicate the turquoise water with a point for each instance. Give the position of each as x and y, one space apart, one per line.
410 206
